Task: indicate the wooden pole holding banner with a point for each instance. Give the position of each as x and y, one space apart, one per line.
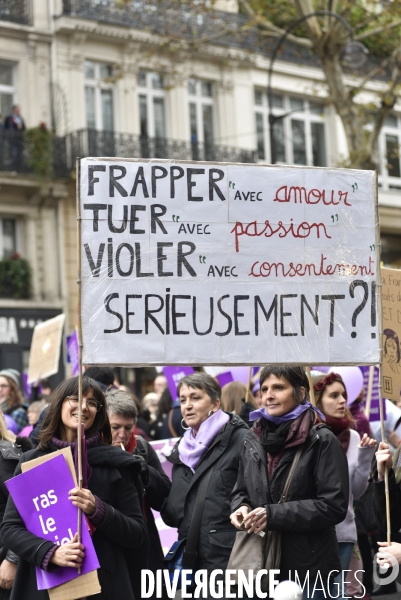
248 389
311 390
370 390
386 490
80 345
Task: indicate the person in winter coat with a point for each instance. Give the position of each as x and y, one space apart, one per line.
123 412
111 501
331 399
318 496
11 449
213 440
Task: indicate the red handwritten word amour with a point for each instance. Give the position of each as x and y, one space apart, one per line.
302 231
276 269
314 196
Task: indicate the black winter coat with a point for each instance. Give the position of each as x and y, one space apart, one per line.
113 481
317 500
217 535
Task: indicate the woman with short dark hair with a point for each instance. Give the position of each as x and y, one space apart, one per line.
318 496
110 498
211 445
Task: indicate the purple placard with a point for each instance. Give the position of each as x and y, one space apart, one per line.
27 386
173 376
374 406
72 347
41 497
168 535
225 378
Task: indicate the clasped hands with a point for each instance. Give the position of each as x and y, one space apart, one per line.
253 522
72 553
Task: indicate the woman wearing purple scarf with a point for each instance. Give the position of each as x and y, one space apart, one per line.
318 496
213 440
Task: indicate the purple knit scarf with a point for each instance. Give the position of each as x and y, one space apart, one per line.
192 448
262 413
86 443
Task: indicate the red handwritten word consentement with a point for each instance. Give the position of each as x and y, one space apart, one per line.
276 269
302 231
314 196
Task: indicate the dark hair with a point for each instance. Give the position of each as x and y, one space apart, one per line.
103 375
390 334
165 404
52 424
202 381
296 376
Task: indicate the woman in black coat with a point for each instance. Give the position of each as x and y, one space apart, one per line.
111 502
318 496
213 441
11 449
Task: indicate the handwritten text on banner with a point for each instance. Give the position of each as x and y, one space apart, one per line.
191 263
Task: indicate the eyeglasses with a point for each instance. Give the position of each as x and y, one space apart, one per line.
91 404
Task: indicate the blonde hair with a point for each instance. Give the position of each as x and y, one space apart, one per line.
233 397
5 434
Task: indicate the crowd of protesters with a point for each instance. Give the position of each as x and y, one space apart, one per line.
267 464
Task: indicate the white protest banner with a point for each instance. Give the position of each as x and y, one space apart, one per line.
391 308
225 264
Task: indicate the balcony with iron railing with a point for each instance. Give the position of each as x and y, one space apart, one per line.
16 11
15 151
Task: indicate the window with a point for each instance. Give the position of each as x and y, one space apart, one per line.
389 152
201 116
6 89
8 237
99 96
298 137
152 105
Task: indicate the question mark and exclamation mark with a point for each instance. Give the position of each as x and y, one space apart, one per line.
362 305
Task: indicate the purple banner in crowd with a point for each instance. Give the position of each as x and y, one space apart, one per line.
173 376
375 406
72 346
41 497
27 386
168 535
225 378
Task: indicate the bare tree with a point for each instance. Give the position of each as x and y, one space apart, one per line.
378 24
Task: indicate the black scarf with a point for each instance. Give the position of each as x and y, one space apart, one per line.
273 437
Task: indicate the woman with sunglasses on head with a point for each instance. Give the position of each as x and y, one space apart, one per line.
317 498
110 498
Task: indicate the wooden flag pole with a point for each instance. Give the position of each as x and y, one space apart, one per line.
370 390
248 389
386 489
79 429
311 390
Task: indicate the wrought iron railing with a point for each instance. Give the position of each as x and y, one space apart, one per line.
166 17
89 142
17 11
15 157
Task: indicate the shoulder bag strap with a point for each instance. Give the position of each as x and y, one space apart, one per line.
173 432
290 475
191 547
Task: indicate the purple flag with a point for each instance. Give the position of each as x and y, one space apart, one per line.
41 497
173 376
72 347
374 406
225 378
